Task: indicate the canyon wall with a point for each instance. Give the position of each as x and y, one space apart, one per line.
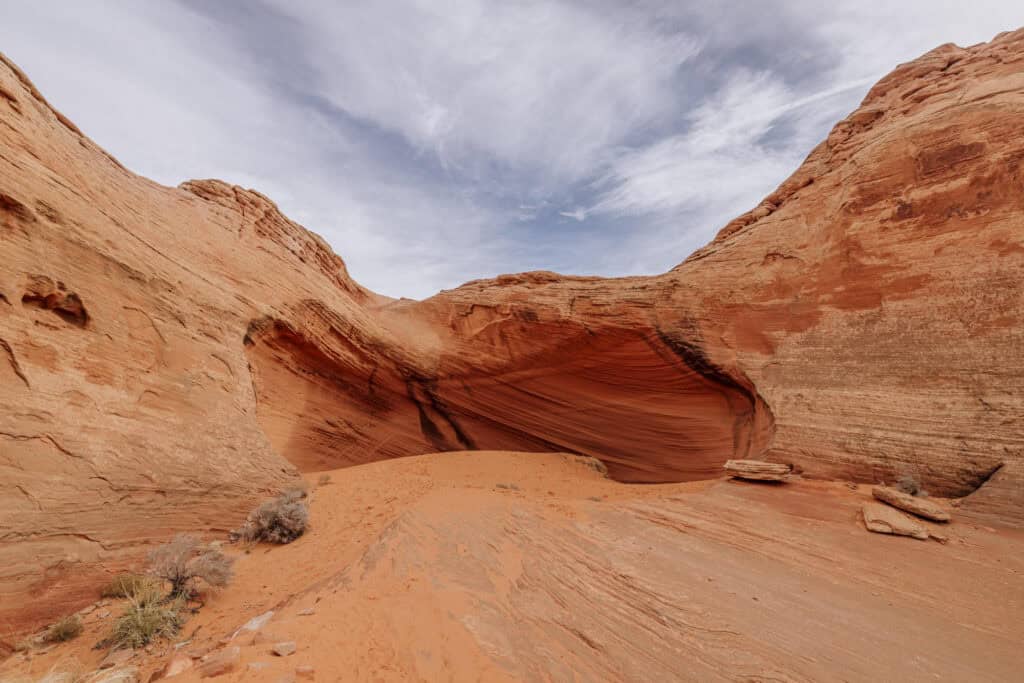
169 355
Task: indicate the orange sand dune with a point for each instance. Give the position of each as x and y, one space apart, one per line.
516 566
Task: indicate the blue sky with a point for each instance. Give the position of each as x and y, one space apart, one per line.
432 142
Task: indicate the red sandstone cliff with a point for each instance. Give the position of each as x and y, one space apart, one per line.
167 354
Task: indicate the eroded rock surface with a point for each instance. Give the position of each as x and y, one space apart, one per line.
170 355
757 470
883 519
922 507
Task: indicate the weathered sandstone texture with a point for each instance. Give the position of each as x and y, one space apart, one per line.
168 355
922 507
757 470
883 519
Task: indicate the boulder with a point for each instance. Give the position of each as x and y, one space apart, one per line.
220 662
757 470
922 507
883 519
179 663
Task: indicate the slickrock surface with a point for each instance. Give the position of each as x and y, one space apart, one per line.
168 355
922 507
883 519
420 569
757 470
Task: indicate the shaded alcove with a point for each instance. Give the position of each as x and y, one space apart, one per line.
650 409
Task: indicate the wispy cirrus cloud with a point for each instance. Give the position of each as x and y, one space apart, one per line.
433 143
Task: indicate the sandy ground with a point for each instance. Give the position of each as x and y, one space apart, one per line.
512 566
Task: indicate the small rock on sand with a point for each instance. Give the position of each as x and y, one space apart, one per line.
883 519
757 470
180 663
284 649
218 663
305 671
922 507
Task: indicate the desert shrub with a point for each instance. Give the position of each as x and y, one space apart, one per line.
65 629
126 585
181 563
280 520
323 479
908 483
148 616
594 464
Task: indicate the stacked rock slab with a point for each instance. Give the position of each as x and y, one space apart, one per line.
883 519
756 470
922 507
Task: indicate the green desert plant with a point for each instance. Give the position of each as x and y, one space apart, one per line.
594 464
280 520
148 616
908 483
182 563
63 630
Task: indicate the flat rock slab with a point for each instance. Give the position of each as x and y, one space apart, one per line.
883 519
922 507
757 470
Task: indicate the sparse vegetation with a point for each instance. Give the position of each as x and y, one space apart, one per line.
594 464
126 585
908 483
182 564
280 520
323 480
149 615
64 630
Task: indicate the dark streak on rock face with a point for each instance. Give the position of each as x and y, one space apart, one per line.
693 355
431 402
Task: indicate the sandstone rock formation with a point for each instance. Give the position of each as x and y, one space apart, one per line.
756 470
170 355
922 507
883 519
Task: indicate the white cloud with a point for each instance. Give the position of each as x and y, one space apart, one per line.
721 161
463 132
542 86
